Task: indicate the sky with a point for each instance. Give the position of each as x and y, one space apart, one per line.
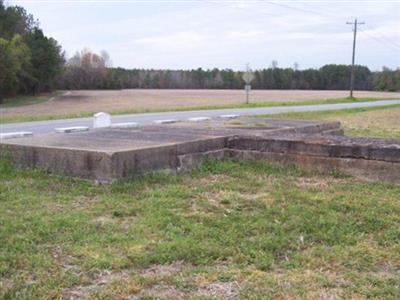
186 34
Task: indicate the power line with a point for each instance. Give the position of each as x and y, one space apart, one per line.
328 13
228 4
385 37
381 41
391 45
292 7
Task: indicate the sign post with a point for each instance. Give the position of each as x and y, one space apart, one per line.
247 88
248 76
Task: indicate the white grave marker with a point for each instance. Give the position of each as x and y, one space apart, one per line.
101 120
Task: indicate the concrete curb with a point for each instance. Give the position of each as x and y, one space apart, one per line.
12 135
199 119
71 129
229 116
125 125
166 121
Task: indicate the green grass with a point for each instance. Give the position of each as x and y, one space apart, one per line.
34 118
249 229
378 122
23 101
15 119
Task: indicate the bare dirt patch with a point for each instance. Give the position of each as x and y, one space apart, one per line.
83 292
163 270
161 292
113 283
318 182
76 102
220 290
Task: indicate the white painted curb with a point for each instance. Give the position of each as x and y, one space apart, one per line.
229 116
71 129
199 119
12 135
125 125
167 121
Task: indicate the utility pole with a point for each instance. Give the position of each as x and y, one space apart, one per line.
356 23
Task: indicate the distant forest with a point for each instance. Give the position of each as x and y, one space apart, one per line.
328 77
31 63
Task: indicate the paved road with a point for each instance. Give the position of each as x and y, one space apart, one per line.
147 118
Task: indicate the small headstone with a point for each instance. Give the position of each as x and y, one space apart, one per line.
12 135
101 120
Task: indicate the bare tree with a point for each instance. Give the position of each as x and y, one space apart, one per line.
75 60
274 64
106 58
248 74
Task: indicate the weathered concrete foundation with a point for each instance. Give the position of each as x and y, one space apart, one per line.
108 154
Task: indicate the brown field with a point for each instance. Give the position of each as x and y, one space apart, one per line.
81 102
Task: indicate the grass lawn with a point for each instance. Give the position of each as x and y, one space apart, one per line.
379 122
249 230
23 100
63 115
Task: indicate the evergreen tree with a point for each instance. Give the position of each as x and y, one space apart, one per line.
29 60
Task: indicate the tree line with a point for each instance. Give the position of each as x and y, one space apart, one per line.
31 63
328 77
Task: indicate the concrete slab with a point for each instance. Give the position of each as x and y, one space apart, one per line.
110 153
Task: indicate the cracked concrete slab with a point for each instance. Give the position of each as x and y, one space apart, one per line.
110 153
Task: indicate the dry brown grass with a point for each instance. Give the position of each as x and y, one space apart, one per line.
380 123
78 102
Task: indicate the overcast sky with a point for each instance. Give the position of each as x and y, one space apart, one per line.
224 34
